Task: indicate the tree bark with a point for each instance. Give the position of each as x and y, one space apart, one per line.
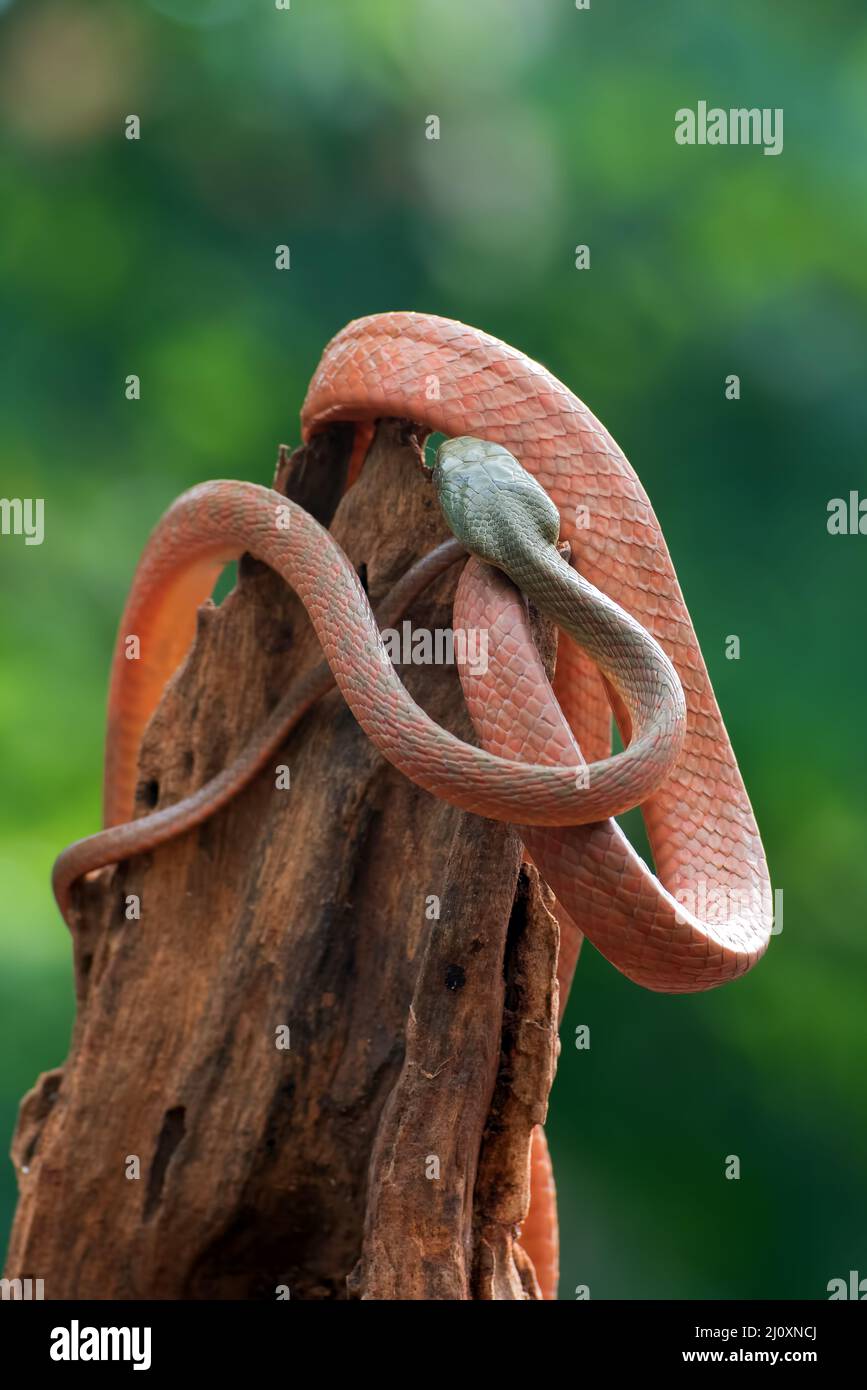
181 1152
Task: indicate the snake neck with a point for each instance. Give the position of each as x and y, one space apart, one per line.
621 648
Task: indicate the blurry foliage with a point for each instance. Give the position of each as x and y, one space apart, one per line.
307 126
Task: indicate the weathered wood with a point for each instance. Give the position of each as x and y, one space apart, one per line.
531 1045
365 916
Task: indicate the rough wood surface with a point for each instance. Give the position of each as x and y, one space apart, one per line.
180 1153
529 1054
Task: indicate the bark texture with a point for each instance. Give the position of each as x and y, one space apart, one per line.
180 1152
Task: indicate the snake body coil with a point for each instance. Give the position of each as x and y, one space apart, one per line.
627 643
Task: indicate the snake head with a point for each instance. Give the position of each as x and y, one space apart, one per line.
492 504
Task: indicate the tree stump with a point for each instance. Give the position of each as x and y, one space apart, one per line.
396 943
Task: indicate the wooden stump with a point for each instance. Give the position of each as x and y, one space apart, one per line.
180 1152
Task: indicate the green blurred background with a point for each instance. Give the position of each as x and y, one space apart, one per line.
307 127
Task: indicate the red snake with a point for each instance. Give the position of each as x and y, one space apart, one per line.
453 379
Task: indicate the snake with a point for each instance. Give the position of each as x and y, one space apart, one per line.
551 513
